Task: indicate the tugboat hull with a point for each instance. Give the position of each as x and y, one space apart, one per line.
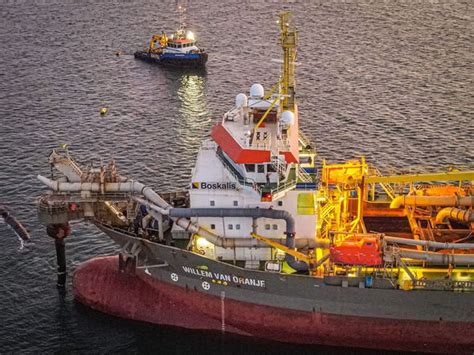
189 60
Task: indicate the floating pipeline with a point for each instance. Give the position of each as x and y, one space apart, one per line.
98 284
17 227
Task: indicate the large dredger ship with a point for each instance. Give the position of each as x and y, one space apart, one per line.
264 243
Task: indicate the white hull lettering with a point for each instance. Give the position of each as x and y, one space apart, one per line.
218 186
238 280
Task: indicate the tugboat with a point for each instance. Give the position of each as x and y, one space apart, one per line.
178 50
265 243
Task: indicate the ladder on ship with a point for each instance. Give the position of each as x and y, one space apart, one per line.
279 165
303 175
324 220
389 190
303 140
426 232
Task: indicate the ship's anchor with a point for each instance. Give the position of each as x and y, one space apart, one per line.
128 257
59 232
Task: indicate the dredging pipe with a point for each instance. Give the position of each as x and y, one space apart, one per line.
59 232
246 212
17 227
436 258
182 218
428 243
449 201
456 214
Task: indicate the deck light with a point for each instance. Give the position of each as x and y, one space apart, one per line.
190 36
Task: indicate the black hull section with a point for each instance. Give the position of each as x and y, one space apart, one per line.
296 292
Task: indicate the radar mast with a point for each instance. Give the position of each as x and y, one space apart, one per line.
288 40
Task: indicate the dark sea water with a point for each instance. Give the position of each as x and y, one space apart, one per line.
389 79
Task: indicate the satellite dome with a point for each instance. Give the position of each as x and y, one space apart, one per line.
287 118
256 91
241 100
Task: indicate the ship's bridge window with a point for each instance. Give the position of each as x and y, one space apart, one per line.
237 226
250 168
270 168
275 227
260 168
267 227
230 227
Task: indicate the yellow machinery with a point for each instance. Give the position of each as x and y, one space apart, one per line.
162 39
348 190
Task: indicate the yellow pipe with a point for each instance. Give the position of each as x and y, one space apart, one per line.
272 90
314 263
284 248
453 201
266 113
451 176
456 214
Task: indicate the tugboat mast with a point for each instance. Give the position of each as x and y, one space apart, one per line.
181 9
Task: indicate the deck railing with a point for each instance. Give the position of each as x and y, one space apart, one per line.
243 181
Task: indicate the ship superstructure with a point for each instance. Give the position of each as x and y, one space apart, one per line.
252 161
265 242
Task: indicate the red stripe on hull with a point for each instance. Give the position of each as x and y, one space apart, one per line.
99 285
234 150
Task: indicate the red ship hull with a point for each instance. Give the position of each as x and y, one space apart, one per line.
99 285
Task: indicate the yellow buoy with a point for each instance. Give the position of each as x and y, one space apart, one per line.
104 110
